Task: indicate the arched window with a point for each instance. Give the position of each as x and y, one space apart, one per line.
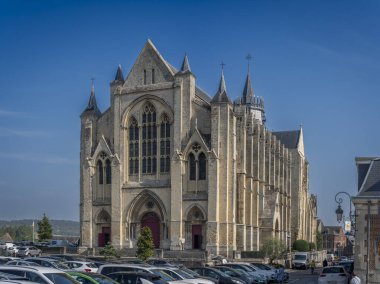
100 171
149 140
108 172
133 147
192 167
165 145
202 166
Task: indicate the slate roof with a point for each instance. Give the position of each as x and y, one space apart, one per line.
371 183
119 74
290 139
92 106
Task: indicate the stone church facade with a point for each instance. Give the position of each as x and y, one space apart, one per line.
201 172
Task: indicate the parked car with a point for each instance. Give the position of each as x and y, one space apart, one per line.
48 263
348 266
301 260
9 276
196 275
42 275
333 274
123 277
21 263
179 274
84 266
106 269
277 271
90 278
245 276
221 277
161 263
247 268
29 251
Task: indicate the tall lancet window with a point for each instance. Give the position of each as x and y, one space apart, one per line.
133 147
202 166
108 172
149 140
192 167
100 171
165 145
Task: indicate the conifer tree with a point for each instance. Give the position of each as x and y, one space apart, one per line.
45 231
145 246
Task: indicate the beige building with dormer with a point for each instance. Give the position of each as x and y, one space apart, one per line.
201 172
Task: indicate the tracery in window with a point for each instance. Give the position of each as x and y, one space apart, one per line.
133 147
165 145
197 163
149 140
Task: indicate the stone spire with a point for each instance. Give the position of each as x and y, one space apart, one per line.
248 93
221 96
185 64
119 74
92 106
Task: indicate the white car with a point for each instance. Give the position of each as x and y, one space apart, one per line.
84 266
333 274
42 275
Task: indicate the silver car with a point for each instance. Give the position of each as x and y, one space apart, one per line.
29 251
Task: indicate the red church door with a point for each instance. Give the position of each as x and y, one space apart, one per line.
152 221
197 236
104 237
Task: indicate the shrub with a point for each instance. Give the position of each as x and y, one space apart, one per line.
312 246
301 245
108 251
145 246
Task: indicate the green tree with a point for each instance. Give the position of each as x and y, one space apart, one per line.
109 251
274 249
45 231
301 245
312 246
319 238
145 246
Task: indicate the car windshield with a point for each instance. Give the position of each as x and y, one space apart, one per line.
91 265
300 257
61 278
184 274
333 270
191 272
101 279
60 265
163 275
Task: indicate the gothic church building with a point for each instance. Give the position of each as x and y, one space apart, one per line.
201 172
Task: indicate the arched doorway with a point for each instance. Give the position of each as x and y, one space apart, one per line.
194 229
152 221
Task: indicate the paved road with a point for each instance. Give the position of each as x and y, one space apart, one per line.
303 276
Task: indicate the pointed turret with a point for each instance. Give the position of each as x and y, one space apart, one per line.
92 107
221 96
248 95
119 74
185 64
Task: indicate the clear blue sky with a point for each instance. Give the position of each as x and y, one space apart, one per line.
315 63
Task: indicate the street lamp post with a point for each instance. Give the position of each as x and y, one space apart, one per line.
339 211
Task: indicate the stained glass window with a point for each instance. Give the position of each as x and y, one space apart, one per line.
192 167
133 147
201 166
108 172
100 171
149 140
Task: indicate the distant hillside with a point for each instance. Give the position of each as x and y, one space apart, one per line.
60 227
